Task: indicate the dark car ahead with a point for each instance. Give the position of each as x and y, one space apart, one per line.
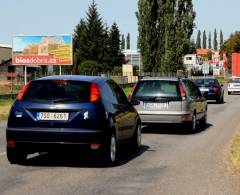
71 112
211 89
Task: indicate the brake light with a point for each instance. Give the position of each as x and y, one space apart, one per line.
182 90
64 82
94 93
11 143
216 89
132 90
23 91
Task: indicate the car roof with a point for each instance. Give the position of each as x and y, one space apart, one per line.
206 79
160 78
96 79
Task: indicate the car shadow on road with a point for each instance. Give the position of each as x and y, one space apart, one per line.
214 102
83 160
174 129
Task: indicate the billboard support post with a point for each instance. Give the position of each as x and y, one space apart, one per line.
60 70
25 75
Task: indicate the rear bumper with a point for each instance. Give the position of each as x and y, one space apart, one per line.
211 96
233 89
151 117
47 139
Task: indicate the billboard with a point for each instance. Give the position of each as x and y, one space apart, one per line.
42 50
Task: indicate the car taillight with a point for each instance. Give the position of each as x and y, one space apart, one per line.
132 90
64 82
182 90
216 89
11 143
23 91
94 93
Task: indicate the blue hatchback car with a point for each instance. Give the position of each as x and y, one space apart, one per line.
71 112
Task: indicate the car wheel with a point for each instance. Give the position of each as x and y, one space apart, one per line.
229 93
111 150
16 156
204 120
137 138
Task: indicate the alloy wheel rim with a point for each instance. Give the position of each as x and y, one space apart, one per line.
113 148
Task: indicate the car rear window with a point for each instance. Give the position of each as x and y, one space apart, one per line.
58 91
157 88
206 82
236 80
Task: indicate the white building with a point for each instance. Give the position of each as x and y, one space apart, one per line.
192 61
133 57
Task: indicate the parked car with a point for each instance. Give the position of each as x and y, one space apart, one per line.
234 85
211 89
170 100
71 112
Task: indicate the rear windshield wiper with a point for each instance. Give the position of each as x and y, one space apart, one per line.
63 100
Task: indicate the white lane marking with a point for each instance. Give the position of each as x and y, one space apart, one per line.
2 153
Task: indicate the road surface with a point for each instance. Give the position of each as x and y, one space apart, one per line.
171 161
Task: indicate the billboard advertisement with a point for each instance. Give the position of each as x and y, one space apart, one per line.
42 50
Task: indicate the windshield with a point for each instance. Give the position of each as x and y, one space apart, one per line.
58 91
157 88
206 82
235 80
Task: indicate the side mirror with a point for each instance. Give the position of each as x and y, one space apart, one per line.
134 102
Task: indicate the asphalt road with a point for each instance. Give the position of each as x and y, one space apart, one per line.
171 161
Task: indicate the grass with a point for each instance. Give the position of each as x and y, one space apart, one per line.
127 90
5 105
235 152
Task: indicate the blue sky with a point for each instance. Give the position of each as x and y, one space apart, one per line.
50 17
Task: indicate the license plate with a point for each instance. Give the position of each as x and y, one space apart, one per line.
160 106
52 116
204 89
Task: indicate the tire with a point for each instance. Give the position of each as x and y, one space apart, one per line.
111 153
229 93
137 138
16 156
203 121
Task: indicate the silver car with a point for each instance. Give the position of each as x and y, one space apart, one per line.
169 100
234 85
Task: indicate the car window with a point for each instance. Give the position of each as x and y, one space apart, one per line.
120 95
159 88
45 91
235 80
207 82
191 89
107 94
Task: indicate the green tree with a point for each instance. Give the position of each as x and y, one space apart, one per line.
79 47
149 33
215 42
122 42
210 40
185 16
232 45
114 46
89 67
165 29
198 42
221 38
192 48
128 41
94 42
204 44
